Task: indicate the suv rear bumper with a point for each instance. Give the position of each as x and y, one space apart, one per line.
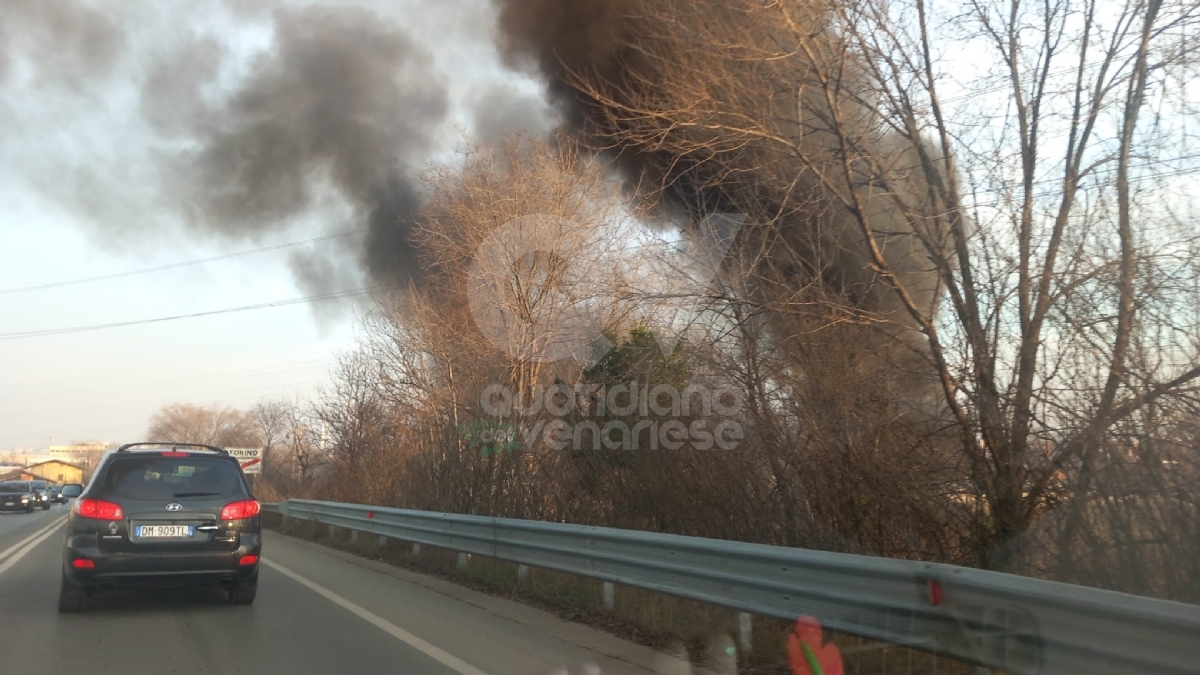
157 570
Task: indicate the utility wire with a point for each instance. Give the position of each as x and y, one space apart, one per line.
186 263
121 324
123 386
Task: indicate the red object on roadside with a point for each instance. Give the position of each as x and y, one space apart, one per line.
827 656
936 593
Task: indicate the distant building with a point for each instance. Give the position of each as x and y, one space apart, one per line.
18 459
57 471
79 449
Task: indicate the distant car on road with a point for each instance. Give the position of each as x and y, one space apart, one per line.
56 495
17 495
42 489
162 515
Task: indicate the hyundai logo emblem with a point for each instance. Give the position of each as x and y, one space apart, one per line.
175 507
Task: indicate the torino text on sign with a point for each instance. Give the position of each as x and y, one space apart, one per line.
250 458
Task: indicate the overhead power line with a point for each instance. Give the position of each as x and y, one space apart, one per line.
186 263
121 324
123 385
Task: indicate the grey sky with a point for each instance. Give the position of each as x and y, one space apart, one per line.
104 117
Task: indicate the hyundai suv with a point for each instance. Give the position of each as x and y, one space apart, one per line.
162 515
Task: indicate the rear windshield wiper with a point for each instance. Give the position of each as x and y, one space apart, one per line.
196 494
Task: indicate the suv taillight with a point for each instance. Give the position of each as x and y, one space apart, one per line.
98 509
239 510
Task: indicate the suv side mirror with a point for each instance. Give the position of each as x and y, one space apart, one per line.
72 490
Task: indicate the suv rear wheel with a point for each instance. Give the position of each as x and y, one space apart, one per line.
70 596
244 592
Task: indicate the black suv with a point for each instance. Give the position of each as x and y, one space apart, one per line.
17 495
162 515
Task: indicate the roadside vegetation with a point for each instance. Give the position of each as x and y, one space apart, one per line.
960 321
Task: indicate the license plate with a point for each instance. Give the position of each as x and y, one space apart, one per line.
164 531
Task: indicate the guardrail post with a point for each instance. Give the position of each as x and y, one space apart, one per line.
353 536
382 541
745 634
461 563
416 549
522 573
607 592
332 532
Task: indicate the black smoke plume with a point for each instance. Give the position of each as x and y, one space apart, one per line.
587 37
67 42
698 66
343 99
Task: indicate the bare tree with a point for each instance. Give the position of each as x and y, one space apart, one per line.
211 425
271 419
523 249
1066 284
1046 312
290 454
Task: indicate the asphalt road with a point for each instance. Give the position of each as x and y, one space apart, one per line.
318 612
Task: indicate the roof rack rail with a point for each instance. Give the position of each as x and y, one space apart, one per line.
173 446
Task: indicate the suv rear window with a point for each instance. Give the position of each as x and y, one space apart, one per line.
14 487
171 478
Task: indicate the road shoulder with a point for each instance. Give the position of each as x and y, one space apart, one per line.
495 628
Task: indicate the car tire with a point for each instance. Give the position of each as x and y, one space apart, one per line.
243 593
71 596
46 506
29 509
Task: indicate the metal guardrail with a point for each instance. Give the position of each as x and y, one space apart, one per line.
1014 623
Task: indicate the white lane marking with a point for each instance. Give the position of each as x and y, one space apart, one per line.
440 655
8 551
45 534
